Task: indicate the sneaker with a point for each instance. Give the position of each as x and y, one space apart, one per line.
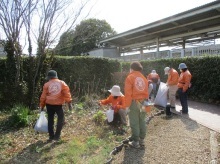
50 139
134 144
168 116
141 142
183 112
56 138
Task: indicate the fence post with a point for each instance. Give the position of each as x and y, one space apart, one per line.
193 51
182 53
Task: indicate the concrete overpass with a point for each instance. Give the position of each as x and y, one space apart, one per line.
192 26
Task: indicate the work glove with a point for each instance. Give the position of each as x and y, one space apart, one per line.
70 106
99 103
41 109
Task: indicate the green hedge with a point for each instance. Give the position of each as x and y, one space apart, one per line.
94 75
86 74
205 75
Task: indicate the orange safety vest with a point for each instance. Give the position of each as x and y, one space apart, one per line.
136 87
173 77
184 80
55 92
117 104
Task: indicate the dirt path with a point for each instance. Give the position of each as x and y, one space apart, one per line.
176 140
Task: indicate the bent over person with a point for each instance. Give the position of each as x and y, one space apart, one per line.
154 78
55 93
117 102
136 91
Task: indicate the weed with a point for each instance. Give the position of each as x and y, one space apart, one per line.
92 150
99 117
92 142
19 116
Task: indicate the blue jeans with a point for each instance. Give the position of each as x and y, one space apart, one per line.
183 100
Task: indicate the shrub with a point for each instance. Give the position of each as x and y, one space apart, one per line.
19 116
99 117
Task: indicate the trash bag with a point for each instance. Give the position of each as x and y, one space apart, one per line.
161 97
42 123
110 115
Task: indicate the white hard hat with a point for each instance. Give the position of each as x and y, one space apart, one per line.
166 70
182 66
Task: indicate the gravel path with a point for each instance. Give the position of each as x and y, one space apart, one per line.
170 141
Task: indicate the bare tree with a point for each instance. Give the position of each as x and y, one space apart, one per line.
52 18
44 21
11 22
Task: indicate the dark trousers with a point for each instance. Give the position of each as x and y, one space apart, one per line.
183 100
51 111
116 121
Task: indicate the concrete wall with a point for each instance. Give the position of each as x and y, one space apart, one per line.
105 52
2 53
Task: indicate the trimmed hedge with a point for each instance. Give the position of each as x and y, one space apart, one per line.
205 75
87 75
84 75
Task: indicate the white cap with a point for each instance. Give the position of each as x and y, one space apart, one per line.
153 71
115 91
166 70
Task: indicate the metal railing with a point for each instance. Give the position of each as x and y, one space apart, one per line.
175 53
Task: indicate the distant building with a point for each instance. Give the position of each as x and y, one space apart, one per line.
110 52
2 52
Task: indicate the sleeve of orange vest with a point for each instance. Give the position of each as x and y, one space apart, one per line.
149 77
106 101
122 106
43 97
158 76
187 82
128 92
66 93
173 79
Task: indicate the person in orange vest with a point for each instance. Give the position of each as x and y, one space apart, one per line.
172 82
183 86
117 102
136 92
155 79
55 93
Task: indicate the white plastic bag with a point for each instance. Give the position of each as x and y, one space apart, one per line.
42 123
110 115
161 97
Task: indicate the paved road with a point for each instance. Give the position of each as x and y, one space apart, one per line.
205 114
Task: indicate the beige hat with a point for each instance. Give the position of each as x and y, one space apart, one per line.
115 91
166 70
